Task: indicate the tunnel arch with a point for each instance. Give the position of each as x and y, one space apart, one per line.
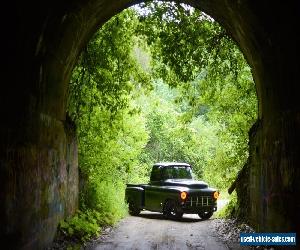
38 149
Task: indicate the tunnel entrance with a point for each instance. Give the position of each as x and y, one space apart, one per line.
139 96
38 150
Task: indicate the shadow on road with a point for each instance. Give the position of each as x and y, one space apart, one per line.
158 216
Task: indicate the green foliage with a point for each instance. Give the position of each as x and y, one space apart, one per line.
106 197
216 90
169 138
231 105
111 151
82 226
185 41
107 71
229 211
128 117
111 133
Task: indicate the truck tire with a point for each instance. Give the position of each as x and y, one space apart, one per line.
171 210
205 215
133 209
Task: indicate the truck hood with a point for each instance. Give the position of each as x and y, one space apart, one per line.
186 183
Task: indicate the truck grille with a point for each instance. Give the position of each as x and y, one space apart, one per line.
199 201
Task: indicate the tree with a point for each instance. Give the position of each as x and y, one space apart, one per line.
193 53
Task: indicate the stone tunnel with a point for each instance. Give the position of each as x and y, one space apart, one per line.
41 42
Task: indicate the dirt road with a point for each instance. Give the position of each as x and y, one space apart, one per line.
152 231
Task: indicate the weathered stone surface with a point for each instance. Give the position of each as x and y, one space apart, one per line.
272 183
38 159
39 185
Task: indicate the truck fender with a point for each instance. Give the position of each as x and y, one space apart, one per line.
135 195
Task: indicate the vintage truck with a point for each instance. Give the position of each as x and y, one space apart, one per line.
172 191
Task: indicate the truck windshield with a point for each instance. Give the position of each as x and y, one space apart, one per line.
177 172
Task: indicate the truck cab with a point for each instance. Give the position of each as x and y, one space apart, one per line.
173 191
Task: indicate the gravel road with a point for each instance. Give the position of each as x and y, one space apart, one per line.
152 231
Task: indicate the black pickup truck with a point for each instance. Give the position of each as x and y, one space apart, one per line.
173 192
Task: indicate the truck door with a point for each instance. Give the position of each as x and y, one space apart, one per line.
153 192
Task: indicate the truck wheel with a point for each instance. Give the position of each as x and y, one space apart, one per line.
133 209
171 210
205 215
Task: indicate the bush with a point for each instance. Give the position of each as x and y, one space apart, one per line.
103 205
107 198
229 210
82 226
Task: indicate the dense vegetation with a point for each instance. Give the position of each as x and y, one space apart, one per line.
159 82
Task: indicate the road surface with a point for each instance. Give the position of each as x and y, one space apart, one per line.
151 231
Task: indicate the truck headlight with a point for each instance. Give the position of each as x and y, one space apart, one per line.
216 195
183 195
